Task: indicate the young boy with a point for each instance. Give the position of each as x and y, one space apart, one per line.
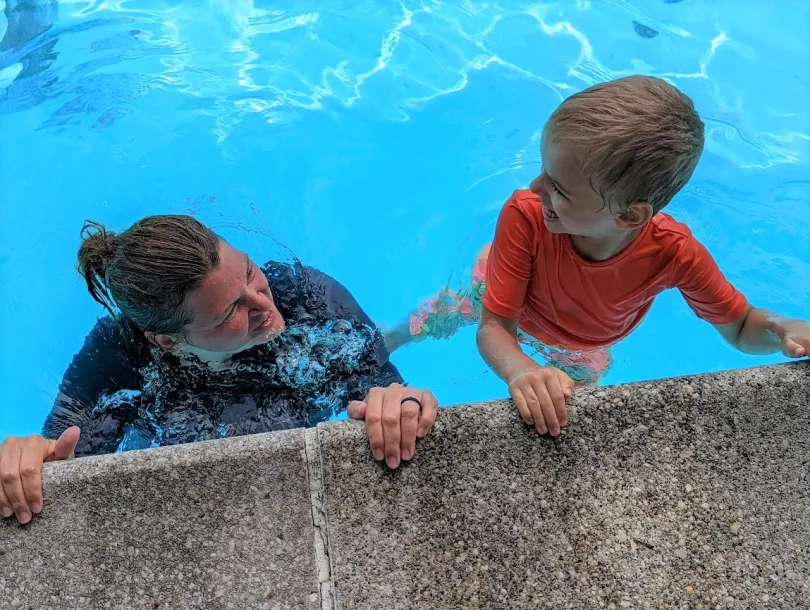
578 259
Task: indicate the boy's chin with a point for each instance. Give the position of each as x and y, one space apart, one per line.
554 225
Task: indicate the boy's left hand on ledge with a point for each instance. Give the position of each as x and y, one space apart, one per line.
795 335
759 331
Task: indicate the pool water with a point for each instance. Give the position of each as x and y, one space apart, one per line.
378 141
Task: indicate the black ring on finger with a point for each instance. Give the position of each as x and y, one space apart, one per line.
412 399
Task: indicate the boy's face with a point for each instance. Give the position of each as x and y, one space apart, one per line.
571 206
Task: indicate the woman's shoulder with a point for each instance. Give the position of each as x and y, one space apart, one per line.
293 273
279 271
303 291
296 285
116 338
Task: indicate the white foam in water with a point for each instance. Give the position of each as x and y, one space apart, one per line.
8 74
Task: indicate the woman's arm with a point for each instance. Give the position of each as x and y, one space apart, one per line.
94 396
341 303
99 390
395 416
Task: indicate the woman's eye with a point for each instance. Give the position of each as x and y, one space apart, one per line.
555 189
229 316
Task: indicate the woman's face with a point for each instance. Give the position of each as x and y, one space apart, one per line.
233 308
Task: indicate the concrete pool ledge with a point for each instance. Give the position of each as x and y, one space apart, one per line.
680 493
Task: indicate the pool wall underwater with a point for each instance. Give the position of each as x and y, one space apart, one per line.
679 493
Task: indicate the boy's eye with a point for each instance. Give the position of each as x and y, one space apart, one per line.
556 189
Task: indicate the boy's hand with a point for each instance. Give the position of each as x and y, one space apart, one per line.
795 338
540 396
759 331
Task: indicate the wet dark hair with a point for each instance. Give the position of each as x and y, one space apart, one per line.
147 271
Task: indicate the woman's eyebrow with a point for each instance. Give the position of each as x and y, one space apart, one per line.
230 307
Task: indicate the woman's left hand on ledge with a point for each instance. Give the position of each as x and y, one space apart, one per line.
21 462
394 420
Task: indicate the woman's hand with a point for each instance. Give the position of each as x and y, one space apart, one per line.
395 417
21 462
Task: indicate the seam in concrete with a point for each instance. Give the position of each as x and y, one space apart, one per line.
312 449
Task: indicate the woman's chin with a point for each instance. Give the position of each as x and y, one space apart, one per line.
269 333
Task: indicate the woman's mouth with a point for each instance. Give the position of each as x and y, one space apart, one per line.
267 322
271 321
549 213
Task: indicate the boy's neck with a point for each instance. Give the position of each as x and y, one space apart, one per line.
599 249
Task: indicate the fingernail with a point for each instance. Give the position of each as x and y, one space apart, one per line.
24 517
6 512
378 455
36 508
406 455
393 462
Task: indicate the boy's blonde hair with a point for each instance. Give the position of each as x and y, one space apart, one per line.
637 139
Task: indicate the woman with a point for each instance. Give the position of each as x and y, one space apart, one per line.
202 343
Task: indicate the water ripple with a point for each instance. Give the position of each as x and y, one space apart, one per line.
240 59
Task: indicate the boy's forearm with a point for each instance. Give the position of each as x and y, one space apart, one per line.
761 332
500 350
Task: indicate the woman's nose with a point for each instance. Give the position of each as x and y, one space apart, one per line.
260 302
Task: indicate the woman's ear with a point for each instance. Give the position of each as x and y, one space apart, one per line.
635 216
164 342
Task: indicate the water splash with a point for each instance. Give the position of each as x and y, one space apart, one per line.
306 375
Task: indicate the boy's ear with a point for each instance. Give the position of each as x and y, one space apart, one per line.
635 216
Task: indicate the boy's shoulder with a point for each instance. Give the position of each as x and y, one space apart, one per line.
522 208
674 241
664 223
666 231
524 199
523 203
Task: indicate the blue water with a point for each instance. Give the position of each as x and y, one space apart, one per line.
378 141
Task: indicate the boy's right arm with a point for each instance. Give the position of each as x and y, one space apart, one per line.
497 342
538 392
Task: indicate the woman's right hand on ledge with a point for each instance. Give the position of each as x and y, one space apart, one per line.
395 417
21 462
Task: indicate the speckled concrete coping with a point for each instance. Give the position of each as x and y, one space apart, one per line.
690 493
